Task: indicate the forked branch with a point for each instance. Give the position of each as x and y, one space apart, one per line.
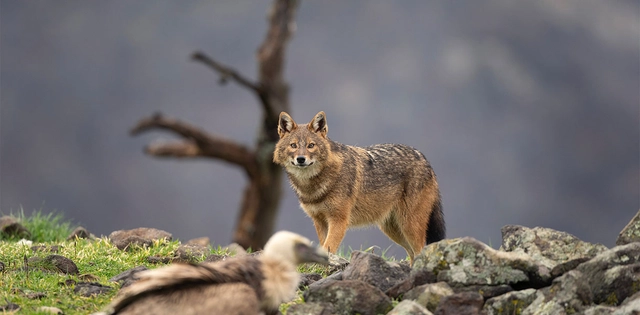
196 143
225 72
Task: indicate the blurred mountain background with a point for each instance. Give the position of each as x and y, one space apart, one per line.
528 111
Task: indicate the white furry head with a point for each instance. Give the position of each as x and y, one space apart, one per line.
294 248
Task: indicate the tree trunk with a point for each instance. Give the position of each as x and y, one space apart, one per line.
259 207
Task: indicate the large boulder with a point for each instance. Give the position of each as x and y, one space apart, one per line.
569 293
607 280
614 275
311 308
408 307
509 303
374 270
547 246
349 297
417 278
631 232
465 303
429 295
467 261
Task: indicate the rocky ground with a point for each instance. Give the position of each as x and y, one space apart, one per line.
535 271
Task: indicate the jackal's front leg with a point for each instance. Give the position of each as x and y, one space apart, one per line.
335 234
321 229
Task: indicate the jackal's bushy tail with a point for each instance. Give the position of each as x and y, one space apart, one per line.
436 229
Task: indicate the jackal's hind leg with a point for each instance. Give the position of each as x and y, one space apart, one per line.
391 228
415 231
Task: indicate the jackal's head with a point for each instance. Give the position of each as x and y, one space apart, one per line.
302 148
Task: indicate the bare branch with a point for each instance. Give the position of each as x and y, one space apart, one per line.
182 149
197 143
225 72
271 56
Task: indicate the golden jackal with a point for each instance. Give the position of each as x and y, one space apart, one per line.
338 186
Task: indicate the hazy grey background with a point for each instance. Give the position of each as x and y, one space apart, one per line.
528 111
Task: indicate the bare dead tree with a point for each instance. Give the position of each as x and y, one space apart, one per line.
258 209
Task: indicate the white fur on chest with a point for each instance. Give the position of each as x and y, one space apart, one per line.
314 209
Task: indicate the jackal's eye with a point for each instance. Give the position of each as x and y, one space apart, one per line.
311 145
293 145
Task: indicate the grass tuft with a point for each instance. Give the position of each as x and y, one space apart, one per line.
49 227
97 261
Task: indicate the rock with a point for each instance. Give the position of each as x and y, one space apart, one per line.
50 310
234 249
128 277
190 253
311 309
36 295
80 232
415 279
634 297
600 310
467 261
547 246
214 258
509 303
45 248
564 267
429 295
201 241
544 306
91 288
613 275
123 239
55 263
10 307
374 270
408 307
334 277
465 303
11 227
308 278
159 260
630 306
337 263
67 282
350 297
569 293
619 283
88 277
631 232
487 291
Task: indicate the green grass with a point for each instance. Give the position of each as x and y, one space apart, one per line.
43 227
97 261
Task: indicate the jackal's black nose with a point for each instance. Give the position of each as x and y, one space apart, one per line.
300 159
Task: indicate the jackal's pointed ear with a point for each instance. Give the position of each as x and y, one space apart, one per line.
285 124
319 124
